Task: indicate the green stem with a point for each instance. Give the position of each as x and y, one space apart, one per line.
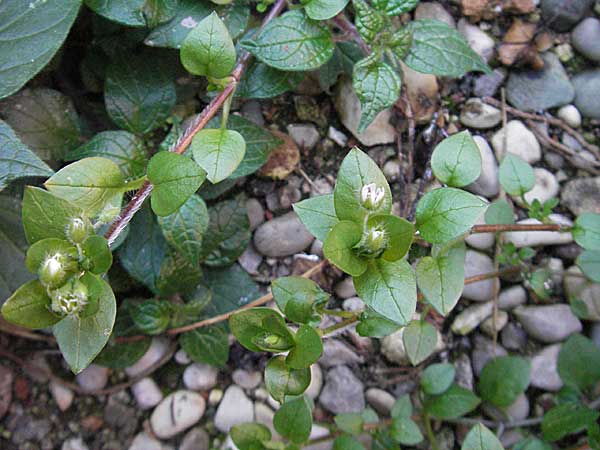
225 111
332 312
337 326
429 431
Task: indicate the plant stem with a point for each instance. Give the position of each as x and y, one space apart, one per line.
429 431
342 22
339 325
519 227
332 312
184 141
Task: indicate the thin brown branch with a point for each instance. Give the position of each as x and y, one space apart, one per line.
518 227
342 22
184 141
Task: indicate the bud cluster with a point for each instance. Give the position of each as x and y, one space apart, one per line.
372 196
69 299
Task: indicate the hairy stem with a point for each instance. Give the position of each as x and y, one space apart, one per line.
518 227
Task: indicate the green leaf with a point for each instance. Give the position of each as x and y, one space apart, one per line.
357 171
389 288
294 420
345 55
338 248
586 231
122 355
218 152
401 42
441 278
480 438
351 423
90 183
402 407
189 13
80 339
44 120
405 431
175 178
503 379
324 9
292 42
516 176
532 444
373 324
151 316
208 345
437 378
126 12
231 288
441 50
159 11
121 147
177 276
297 297
282 380
16 160
377 86
566 419
399 234
308 348
395 7
456 161
261 329
579 362
32 32
446 213
186 227
98 254
250 436
139 91
46 215
347 442
29 307
499 213
39 251
420 339
369 22
261 81
208 49
589 263
142 253
317 214
455 402
228 233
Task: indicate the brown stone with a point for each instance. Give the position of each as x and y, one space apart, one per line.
423 94
516 45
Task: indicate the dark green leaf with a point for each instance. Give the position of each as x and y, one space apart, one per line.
261 329
151 316
292 42
250 436
208 49
218 152
395 7
589 263
446 213
186 227
231 288
532 444
456 161
297 298
369 22
308 348
98 254
480 438
29 307
437 378
338 248
32 32
324 9
347 442
586 231
16 160
317 214
516 176
373 324
177 276
503 379
351 423
566 419
455 402
389 288
262 81
126 12
44 120
122 355
579 362
420 339
175 178
441 50
208 345
123 148
377 86
282 380
139 91
294 420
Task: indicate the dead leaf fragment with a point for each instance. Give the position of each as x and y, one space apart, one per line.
517 47
283 160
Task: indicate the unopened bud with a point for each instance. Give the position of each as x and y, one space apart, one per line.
372 196
77 231
69 299
54 270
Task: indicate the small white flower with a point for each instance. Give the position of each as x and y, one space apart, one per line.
372 195
53 265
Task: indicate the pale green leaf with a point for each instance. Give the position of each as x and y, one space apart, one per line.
218 152
324 9
317 214
480 438
29 307
456 161
516 176
420 340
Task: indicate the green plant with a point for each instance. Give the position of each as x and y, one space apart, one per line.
181 251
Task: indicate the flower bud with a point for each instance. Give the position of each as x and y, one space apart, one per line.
69 299
372 196
77 231
373 243
55 270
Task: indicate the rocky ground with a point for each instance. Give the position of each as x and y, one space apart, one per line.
545 57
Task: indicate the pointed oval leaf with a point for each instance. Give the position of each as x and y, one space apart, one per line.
308 348
516 176
338 248
455 402
503 379
218 152
29 307
589 263
297 298
586 231
208 345
324 9
456 161
395 7
480 438
282 380
294 420
420 340
256 328
437 378
399 234
317 214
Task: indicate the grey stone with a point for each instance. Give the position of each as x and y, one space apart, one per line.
336 353
247 379
353 304
250 260
487 184
546 186
512 297
435 11
200 377
283 236
487 85
581 195
74 444
490 326
195 439
392 347
118 415
256 213
158 348
316 382
513 337
520 141
147 393
343 392
518 410
483 352
537 238
595 334
381 401
571 115
264 414
235 408
533 90
481 42
481 241
582 289
587 86
143 441
304 135
345 288
337 136
92 378
548 323
471 317
464 371
251 110
477 263
62 395
476 114
177 412
544 372
562 15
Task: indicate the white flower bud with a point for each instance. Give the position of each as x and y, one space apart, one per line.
54 270
69 299
372 195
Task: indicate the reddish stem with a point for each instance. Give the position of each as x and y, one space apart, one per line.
518 227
